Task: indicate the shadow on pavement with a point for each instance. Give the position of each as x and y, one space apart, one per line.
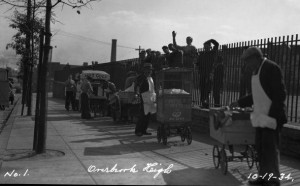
122 149
199 177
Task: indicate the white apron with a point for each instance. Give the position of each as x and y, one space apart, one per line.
262 103
149 98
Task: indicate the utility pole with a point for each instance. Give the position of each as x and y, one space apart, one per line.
139 49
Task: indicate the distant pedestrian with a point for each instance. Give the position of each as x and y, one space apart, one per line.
70 89
78 95
87 90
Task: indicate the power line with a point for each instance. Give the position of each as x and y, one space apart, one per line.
68 34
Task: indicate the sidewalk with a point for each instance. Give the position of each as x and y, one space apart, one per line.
77 147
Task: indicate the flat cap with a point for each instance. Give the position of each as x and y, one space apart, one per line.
251 51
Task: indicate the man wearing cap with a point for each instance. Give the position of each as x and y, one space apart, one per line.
267 96
144 87
189 51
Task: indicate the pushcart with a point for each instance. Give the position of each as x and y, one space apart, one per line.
98 100
174 104
232 128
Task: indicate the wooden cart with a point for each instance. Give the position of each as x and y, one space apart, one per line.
98 100
174 103
233 129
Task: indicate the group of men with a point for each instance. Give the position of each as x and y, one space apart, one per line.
267 96
209 63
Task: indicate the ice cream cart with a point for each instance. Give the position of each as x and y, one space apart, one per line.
174 103
98 100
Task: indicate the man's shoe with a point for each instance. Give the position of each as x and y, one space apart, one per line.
147 133
258 181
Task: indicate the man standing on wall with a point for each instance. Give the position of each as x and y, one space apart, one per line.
269 114
205 63
189 51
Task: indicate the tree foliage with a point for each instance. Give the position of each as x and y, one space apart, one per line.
19 22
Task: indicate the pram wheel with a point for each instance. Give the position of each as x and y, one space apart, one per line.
223 161
182 137
216 156
250 157
165 140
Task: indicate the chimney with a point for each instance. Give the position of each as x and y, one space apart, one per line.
113 56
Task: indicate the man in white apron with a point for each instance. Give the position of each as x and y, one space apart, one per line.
144 87
269 114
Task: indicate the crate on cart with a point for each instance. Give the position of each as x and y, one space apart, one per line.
174 103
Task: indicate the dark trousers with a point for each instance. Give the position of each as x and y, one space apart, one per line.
217 94
69 99
143 122
267 147
85 106
204 87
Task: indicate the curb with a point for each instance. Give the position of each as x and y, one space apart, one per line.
8 115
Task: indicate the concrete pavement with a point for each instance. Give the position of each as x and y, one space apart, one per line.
102 152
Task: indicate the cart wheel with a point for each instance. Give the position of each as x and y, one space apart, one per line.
216 156
257 165
256 160
250 157
114 115
223 161
182 137
165 140
159 135
189 136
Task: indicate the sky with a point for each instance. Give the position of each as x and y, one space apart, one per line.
87 36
